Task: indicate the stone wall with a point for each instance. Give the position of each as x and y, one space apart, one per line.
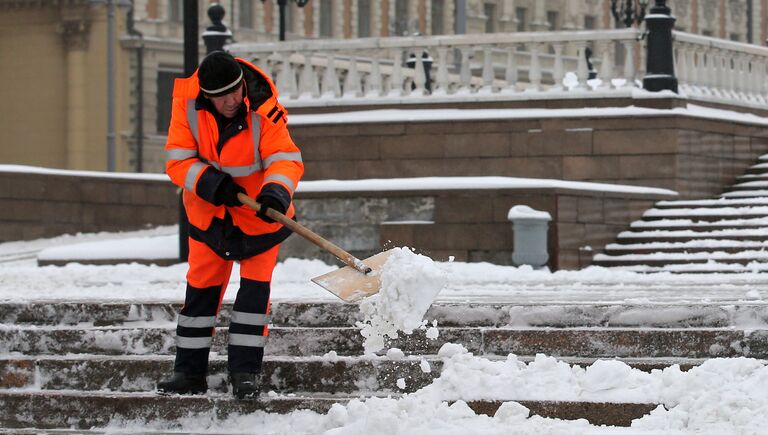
469 225
694 156
46 204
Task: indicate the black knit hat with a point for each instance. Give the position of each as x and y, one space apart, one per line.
219 74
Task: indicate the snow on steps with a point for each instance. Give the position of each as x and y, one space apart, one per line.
49 381
66 408
728 234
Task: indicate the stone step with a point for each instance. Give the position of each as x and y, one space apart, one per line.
656 259
752 177
341 375
692 247
711 203
745 193
122 313
64 409
759 168
707 213
332 314
584 342
682 235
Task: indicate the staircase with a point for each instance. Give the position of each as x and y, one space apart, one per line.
726 234
77 366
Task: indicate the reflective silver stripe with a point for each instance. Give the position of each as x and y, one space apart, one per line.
283 179
223 88
197 322
241 171
192 119
180 154
194 169
193 342
277 157
247 340
249 318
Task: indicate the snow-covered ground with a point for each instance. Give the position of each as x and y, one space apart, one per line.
724 396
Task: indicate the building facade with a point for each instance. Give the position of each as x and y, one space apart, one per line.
54 54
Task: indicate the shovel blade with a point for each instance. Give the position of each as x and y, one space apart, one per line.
351 285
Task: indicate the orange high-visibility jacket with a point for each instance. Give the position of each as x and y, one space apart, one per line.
261 153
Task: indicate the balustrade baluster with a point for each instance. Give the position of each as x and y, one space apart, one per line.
396 79
263 64
629 63
419 77
330 79
720 76
308 81
534 70
373 84
488 74
511 73
465 76
606 65
441 87
709 71
582 71
352 80
558 72
284 82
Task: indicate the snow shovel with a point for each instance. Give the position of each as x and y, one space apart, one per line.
358 279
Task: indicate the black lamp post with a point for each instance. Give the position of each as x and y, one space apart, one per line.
629 12
217 34
660 66
282 4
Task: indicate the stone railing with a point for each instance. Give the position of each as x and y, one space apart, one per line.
721 71
503 65
484 64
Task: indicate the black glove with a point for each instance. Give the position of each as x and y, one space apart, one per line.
266 202
227 191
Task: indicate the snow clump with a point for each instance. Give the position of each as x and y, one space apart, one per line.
409 284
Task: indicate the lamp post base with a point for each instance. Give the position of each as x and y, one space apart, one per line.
660 82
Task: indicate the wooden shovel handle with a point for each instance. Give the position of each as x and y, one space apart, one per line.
348 259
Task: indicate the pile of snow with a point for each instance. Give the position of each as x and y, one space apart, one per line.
723 395
409 284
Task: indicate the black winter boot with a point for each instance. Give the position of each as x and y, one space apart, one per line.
244 386
183 383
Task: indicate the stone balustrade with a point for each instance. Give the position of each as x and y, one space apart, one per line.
503 66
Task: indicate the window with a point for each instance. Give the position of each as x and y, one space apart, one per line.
489 9
326 18
522 21
165 80
246 14
734 37
553 18
288 16
401 17
363 18
590 22
438 9
176 11
707 32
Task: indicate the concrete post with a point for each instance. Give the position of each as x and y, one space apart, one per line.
530 236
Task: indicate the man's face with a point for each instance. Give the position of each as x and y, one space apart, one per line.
229 104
